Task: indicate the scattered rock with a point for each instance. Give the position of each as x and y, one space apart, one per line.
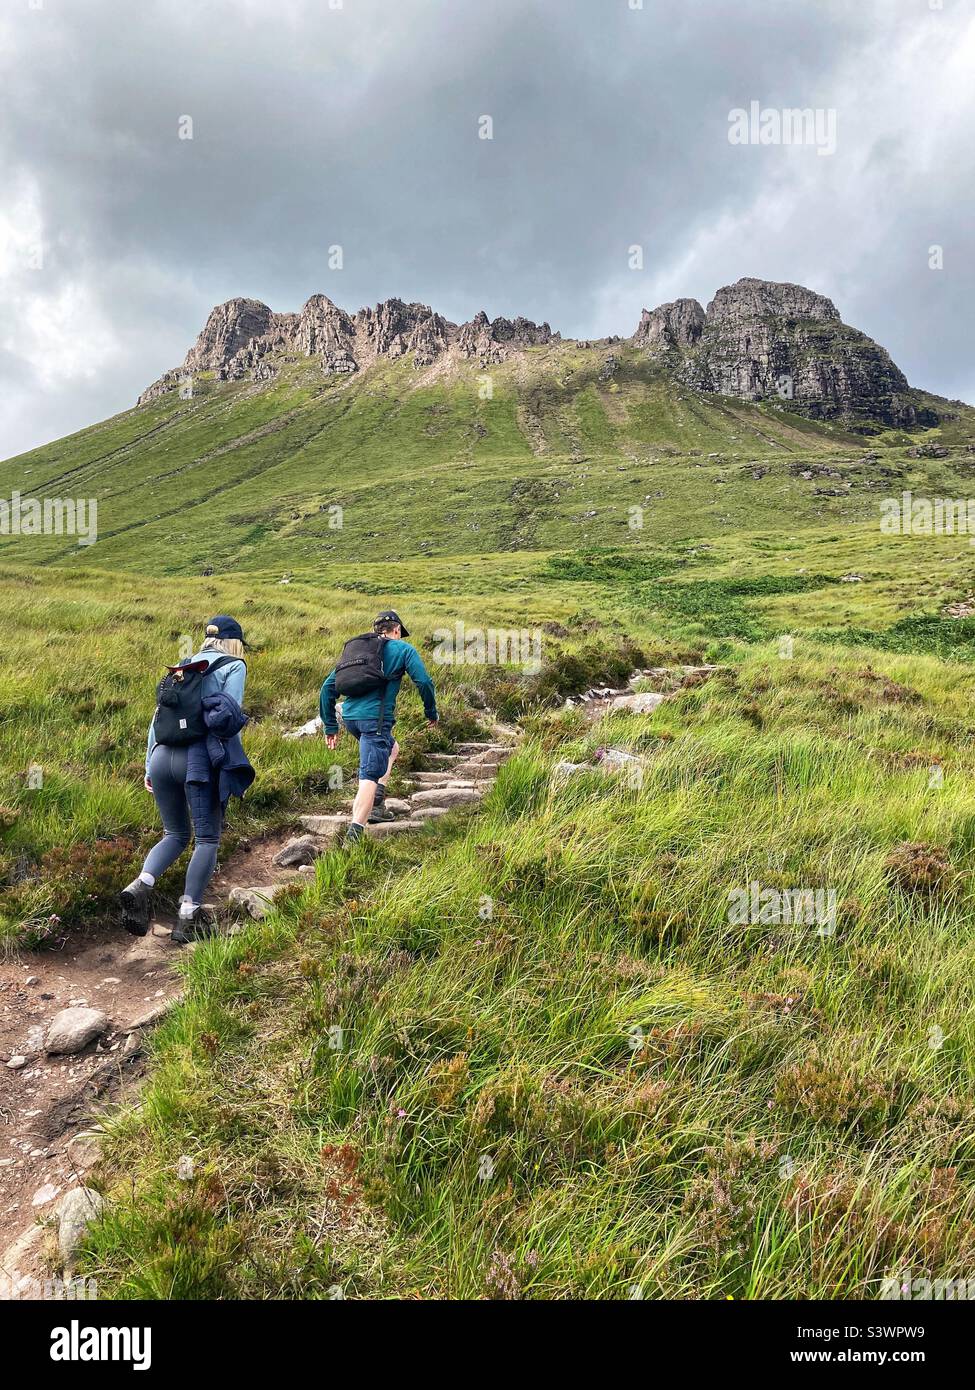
257 901
74 1028
44 1194
84 1150
309 730
304 850
15 1063
153 1014
75 1210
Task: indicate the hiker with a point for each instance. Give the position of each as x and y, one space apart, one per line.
367 679
194 763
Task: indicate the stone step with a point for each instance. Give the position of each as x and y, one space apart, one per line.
392 827
446 757
471 748
325 826
446 796
430 812
431 777
474 772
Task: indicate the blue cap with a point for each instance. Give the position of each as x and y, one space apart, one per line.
226 627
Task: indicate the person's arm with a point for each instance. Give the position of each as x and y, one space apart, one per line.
151 744
417 673
326 705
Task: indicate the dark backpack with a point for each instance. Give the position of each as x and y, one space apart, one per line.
179 702
359 670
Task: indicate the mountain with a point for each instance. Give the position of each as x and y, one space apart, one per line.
294 440
757 340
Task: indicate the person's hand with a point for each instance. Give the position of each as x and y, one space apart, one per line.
148 782
331 741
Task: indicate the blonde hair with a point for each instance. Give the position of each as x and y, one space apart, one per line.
230 646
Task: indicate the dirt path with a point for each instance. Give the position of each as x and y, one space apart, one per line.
49 1105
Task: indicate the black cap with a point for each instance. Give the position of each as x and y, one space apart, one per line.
226 628
388 616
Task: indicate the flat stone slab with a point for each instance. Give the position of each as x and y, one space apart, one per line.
644 703
430 812
476 772
471 748
446 757
391 827
446 796
324 826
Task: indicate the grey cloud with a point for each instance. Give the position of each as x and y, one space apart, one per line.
358 126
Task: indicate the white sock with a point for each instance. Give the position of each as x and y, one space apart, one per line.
186 908
148 879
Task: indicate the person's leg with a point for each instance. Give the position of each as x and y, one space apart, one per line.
365 799
393 755
379 812
167 773
375 745
207 827
167 789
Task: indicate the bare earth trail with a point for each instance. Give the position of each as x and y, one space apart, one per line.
49 1105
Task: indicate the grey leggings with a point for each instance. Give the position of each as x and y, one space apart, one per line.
167 773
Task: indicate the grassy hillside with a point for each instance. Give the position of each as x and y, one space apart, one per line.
248 475
603 1088
604 1085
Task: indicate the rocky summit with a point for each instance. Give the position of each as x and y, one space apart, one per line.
242 338
761 340
757 340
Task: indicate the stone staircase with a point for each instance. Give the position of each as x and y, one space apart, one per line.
457 779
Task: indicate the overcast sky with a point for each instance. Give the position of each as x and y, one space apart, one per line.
356 123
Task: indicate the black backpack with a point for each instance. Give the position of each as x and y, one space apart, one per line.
179 702
359 670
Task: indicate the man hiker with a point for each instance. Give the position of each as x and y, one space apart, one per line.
367 679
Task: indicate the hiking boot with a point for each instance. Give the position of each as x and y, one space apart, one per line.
136 904
353 835
199 927
379 814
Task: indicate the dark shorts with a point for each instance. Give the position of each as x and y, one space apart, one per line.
375 746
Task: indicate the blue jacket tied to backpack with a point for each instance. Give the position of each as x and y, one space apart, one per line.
217 767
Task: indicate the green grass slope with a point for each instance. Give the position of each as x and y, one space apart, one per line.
249 475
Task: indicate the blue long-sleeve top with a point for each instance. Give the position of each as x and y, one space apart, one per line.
229 678
399 660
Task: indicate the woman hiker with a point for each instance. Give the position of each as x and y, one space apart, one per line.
194 763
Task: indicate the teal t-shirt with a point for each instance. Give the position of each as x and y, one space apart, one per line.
399 660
